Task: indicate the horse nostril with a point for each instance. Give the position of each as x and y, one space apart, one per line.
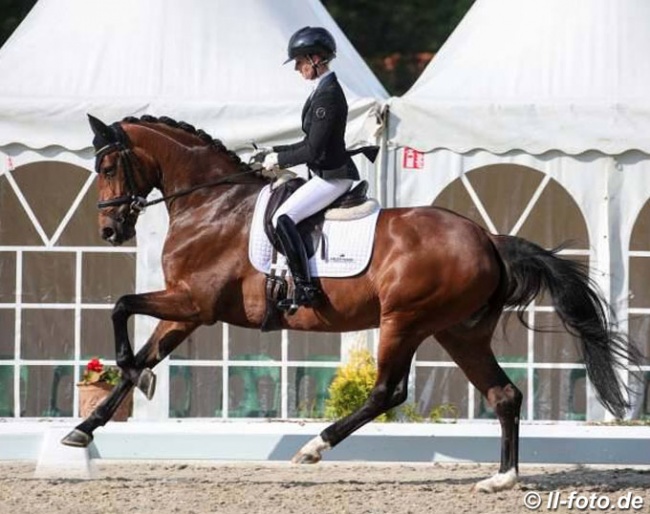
107 233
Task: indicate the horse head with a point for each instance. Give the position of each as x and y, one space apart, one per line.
137 155
121 181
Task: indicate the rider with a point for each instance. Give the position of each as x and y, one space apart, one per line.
331 170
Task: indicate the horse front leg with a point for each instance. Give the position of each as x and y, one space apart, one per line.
167 305
167 336
82 435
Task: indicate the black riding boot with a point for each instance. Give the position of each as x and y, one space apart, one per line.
306 293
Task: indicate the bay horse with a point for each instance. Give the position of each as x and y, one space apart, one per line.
432 273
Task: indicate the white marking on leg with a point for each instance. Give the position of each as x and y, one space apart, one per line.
499 482
311 452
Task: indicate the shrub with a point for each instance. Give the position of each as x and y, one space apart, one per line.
444 411
352 385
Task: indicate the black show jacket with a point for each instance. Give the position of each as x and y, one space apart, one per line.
323 121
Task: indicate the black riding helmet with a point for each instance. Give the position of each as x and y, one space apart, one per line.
309 41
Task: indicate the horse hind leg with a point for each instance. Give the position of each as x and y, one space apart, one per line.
311 453
506 401
390 390
471 351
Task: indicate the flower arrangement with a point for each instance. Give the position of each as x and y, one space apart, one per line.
96 384
96 373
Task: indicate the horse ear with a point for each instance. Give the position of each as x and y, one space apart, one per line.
103 134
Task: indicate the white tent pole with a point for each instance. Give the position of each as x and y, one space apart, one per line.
619 257
381 168
149 277
603 265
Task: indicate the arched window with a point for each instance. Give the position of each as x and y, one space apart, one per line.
520 201
58 284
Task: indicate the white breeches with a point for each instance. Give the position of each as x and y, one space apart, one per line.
310 198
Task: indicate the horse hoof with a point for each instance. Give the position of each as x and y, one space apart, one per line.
499 482
311 453
305 458
77 439
147 383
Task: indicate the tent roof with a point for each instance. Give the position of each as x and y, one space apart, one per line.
534 75
215 64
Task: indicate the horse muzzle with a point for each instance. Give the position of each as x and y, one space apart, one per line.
117 229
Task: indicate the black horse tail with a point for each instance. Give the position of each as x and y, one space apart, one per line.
585 314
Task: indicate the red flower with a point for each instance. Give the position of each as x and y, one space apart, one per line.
95 365
96 372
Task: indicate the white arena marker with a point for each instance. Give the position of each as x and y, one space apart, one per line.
59 461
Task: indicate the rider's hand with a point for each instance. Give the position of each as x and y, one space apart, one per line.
270 161
259 154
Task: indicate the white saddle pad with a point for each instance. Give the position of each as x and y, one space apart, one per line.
345 251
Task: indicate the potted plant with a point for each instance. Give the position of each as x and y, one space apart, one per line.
96 384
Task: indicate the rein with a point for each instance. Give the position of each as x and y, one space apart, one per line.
138 203
223 180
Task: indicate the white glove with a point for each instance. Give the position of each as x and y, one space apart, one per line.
259 154
270 160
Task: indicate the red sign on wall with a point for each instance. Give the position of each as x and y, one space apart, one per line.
412 160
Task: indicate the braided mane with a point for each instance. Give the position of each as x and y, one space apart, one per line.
217 144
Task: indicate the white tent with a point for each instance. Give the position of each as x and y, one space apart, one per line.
549 99
217 65
536 76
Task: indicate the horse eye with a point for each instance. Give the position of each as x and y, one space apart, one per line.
109 171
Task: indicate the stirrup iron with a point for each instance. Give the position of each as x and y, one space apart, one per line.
304 295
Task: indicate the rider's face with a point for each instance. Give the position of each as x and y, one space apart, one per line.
305 68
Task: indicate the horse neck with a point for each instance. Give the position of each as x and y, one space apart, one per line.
200 168
178 162
182 168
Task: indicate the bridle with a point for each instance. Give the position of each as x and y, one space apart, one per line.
131 166
135 202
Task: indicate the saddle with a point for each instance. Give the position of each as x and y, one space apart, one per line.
311 228
311 231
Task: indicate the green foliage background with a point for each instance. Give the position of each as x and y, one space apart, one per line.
402 30
12 13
